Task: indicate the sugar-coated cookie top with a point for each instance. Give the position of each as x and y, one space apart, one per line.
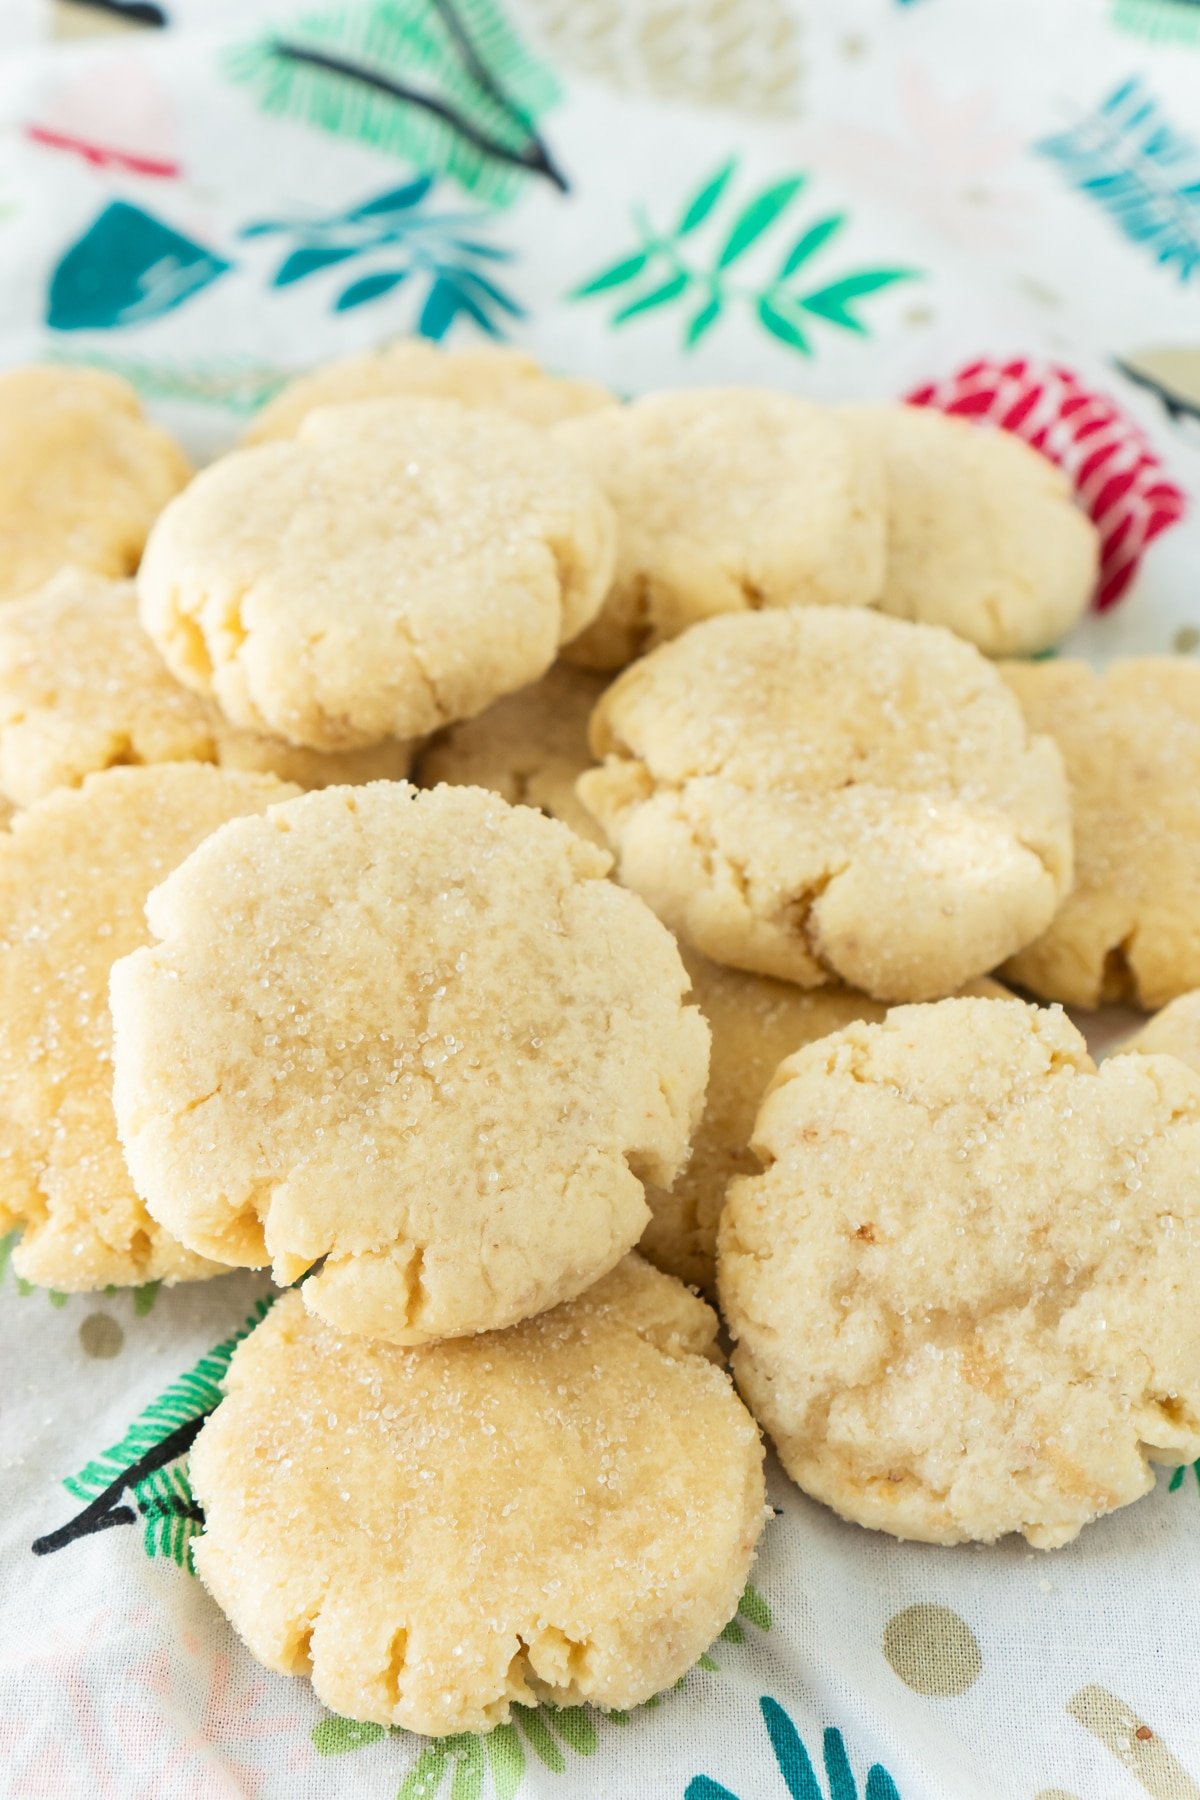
1175 1031
566 1510
493 375
417 1035
75 871
964 1284
82 688
531 747
727 499
983 533
396 566
1130 739
82 474
824 794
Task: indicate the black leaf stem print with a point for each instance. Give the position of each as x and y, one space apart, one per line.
103 1512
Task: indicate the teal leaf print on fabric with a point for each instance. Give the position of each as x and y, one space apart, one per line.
234 385
800 1781
1128 158
126 268
446 83
1161 21
446 254
147 1465
661 271
1178 1478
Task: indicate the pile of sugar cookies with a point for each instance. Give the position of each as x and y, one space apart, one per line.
668 979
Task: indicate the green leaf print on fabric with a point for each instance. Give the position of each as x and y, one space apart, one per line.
752 1609
658 273
143 1297
447 84
459 1767
146 1463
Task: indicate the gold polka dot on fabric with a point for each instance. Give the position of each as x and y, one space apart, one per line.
100 1336
932 1650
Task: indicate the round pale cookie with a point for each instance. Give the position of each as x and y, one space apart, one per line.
964 1285
727 500
531 747
755 1023
1175 1031
1130 739
492 375
74 874
396 566
983 533
82 474
418 1035
82 688
825 795
565 1512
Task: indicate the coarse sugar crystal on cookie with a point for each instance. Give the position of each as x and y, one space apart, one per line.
727 500
74 874
491 375
82 474
963 1286
566 1511
416 1038
824 794
396 566
82 688
531 747
1130 739
755 1022
983 533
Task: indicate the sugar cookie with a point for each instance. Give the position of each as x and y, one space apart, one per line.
1130 739
418 1035
824 794
565 1511
74 874
531 747
396 566
983 534
755 1023
82 474
492 375
1175 1031
964 1285
82 688
727 499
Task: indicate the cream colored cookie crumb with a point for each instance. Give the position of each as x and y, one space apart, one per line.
82 688
1130 739
531 748
491 375
393 568
727 499
566 1511
983 533
755 1023
82 474
963 1285
74 874
823 794
417 1035
1175 1031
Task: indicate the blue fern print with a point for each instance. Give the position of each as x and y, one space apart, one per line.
1127 157
800 1780
392 239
